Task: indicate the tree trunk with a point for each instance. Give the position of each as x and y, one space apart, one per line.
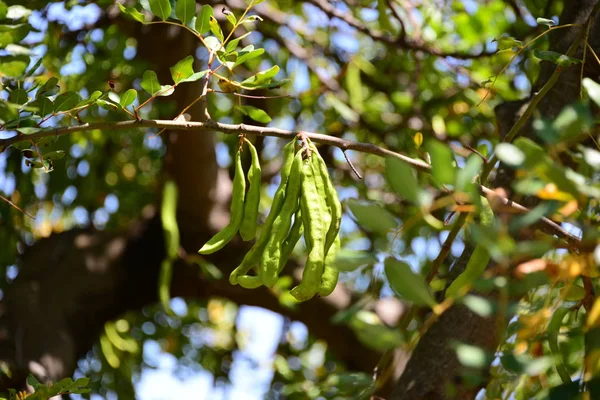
433 370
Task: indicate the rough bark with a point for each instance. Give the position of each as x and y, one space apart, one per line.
433 368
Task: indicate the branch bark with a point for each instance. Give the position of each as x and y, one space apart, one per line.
433 367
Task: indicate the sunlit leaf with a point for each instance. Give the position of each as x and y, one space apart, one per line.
255 113
203 19
556 58
261 77
160 8
593 90
128 97
407 284
13 66
472 356
66 101
372 216
150 82
185 10
402 179
133 13
183 69
443 169
545 21
215 28
44 106
348 260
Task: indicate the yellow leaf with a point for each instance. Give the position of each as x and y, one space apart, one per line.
593 319
418 139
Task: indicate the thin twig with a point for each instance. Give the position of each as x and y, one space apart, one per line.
249 96
401 41
352 165
447 246
16 207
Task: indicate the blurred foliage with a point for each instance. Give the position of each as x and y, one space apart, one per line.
346 80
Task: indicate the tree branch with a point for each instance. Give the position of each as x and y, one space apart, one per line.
546 225
380 36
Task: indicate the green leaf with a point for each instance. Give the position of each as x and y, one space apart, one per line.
183 69
472 356
17 12
54 155
510 154
49 88
66 101
3 10
230 17
349 260
107 105
261 77
32 381
133 13
215 28
553 332
232 45
556 58
248 53
185 10
18 96
384 19
402 179
593 90
372 216
169 219
128 97
354 87
545 21
34 67
44 106
90 100
160 8
573 120
252 18
203 19
407 284
443 169
464 178
212 43
150 82
373 333
507 42
194 77
255 113
13 34
171 231
342 108
28 130
13 66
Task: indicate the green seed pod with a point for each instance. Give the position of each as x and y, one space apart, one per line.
249 282
331 198
269 266
218 241
252 258
250 218
291 240
330 273
315 228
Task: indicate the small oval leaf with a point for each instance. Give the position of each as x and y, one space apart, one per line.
407 284
372 216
